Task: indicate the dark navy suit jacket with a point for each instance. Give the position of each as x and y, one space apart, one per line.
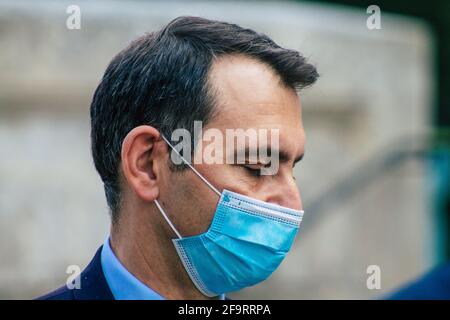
435 285
93 285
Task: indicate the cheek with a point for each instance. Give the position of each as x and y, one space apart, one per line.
199 213
192 202
233 177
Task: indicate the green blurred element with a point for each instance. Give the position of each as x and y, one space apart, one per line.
439 169
440 186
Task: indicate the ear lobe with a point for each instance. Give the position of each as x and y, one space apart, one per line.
138 162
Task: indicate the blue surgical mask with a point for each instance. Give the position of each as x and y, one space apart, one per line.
245 243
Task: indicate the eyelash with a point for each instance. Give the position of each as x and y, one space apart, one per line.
253 172
257 172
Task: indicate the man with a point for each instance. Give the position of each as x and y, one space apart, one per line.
192 229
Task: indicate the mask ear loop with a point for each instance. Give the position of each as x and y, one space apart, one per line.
168 220
197 173
190 166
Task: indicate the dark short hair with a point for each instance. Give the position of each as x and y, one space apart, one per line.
160 79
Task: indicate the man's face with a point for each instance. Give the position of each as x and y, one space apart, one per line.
249 96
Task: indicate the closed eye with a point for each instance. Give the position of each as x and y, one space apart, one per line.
254 171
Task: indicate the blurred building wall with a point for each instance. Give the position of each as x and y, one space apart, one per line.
376 86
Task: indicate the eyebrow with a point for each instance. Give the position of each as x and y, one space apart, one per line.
283 156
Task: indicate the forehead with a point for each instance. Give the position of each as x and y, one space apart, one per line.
249 94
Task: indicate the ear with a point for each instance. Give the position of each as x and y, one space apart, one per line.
140 160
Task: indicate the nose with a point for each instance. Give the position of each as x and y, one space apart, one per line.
285 193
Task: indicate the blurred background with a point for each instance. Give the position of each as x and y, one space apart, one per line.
375 182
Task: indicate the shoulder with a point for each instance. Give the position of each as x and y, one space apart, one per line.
92 281
62 293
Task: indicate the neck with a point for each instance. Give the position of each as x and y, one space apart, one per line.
145 248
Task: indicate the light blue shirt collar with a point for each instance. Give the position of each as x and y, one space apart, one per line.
124 285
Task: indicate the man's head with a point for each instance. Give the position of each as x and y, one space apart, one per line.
195 69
